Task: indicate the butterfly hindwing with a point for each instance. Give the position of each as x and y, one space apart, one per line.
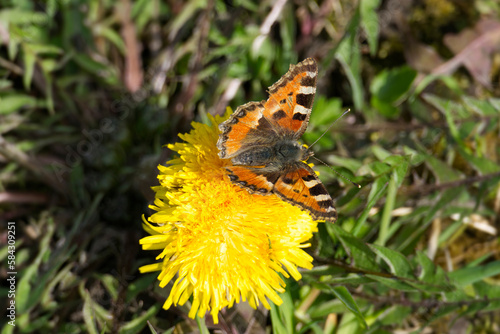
255 180
302 187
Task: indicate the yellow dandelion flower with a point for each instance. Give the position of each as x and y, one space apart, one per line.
224 244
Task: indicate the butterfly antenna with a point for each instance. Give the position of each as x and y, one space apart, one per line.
345 112
342 176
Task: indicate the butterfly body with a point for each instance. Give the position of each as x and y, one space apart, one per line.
284 152
261 139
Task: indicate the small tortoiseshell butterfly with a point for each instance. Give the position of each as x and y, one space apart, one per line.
260 138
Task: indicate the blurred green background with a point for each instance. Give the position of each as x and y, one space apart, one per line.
91 90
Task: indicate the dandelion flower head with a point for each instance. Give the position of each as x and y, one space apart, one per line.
219 243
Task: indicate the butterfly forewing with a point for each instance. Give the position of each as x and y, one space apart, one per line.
291 99
244 129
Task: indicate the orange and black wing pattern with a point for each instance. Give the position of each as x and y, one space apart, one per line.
254 180
285 113
302 187
245 129
291 99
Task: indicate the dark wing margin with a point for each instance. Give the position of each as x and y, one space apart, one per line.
302 187
291 99
244 129
254 180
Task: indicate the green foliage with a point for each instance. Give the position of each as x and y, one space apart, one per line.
91 90
390 86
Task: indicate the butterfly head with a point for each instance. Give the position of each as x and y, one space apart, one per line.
306 153
288 151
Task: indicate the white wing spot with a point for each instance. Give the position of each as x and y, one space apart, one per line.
301 110
307 90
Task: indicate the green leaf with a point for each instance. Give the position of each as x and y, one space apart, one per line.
444 199
286 310
326 111
473 308
114 38
396 261
13 48
369 21
202 327
137 324
360 253
320 309
20 17
349 324
442 171
389 205
48 49
454 131
470 275
29 289
187 14
54 277
278 324
482 164
449 81
481 107
288 31
139 285
389 86
349 56
443 311
5 84
29 67
380 169
484 289
310 327
88 312
416 158
495 103
14 102
353 279
48 89
345 297
384 108
100 70
443 105
393 315
111 284
429 273
380 153
377 190
400 165
392 283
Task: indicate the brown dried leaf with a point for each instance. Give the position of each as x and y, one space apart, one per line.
473 49
133 75
419 56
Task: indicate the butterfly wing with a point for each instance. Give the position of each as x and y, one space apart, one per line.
245 129
255 180
270 124
301 187
291 99
285 114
